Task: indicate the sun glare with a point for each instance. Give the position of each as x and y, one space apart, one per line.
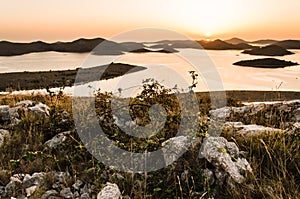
207 34
210 17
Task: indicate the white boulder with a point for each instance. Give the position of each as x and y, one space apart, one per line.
110 191
224 156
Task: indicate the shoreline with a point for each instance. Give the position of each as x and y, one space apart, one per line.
18 81
15 82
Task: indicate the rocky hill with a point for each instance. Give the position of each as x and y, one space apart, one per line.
78 46
222 45
289 44
264 41
236 40
81 45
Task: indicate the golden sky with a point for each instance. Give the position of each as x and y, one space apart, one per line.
52 20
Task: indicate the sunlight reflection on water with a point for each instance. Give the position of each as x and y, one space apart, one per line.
161 65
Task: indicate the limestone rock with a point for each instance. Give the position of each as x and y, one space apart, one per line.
36 179
251 129
175 147
221 113
49 194
85 196
77 184
24 103
57 139
290 109
30 190
40 109
109 191
66 193
61 177
296 125
225 157
13 185
11 116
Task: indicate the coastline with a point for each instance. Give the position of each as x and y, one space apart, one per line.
17 81
22 81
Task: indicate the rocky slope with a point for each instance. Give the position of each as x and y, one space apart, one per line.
60 167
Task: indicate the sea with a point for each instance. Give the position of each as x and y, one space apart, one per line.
214 67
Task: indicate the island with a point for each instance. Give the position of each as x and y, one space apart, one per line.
108 47
217 44
222 45
208 45
146 50
78 46
270 50
266 63
235 41
52 79
289 44
264 41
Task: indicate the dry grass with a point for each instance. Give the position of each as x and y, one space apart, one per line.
275 160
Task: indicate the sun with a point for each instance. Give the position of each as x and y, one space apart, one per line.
207 34
210 17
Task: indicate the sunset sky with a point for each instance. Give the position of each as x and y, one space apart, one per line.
65 20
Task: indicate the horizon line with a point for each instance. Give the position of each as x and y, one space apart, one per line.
99 37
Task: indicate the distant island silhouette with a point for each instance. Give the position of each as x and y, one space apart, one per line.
289 44
236 40
114 48
146 50
77 46
217 44
266 63
264 41
270 50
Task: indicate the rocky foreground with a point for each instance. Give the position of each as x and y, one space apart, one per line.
213 163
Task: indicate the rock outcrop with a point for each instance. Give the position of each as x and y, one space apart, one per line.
249 118
222 161
225 157
176 145
25 185
10 116
58 139
248 130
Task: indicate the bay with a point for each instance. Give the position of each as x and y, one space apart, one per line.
169 69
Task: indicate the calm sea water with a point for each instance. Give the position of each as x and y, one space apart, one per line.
41 62
169 69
